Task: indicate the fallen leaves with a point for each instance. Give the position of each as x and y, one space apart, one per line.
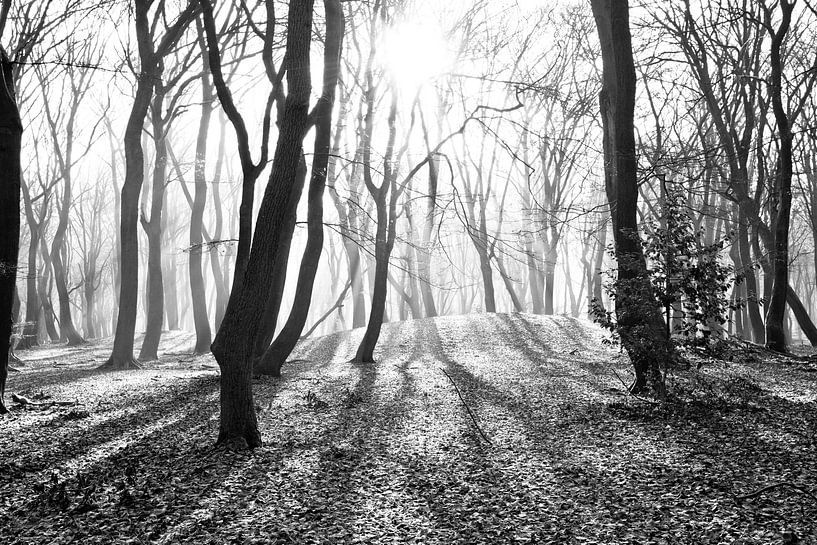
388 453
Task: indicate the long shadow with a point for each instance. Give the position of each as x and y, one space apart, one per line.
722 452
132 479
353 440
42 378
525 336
465 478
153 407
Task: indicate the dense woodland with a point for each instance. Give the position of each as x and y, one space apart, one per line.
266 174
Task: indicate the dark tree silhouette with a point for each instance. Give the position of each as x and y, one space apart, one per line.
11 130
280 349
150 56
234 344
637 312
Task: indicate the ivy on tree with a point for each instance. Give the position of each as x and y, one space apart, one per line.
687 278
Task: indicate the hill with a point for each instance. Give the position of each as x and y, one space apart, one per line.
488 428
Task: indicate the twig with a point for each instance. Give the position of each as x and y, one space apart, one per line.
803 490
467 408
338 304
629 392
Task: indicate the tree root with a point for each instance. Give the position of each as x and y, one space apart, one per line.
783 484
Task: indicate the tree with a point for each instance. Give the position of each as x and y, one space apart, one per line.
637 312
235 342
62 125
775 313
197 295
150 57
11 130
282 346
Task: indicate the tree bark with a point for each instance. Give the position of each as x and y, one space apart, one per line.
197 293
269 319
33 304
11 130
235 341
153 229
282 347
776 311
638 316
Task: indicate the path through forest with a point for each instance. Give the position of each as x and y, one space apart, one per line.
543 446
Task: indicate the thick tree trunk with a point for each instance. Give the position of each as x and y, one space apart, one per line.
170 277
752 293
639 319
282 347
11 130
269 319
236 339
551 258
487 272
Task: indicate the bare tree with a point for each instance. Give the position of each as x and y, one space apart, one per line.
151 54
638 315
235 342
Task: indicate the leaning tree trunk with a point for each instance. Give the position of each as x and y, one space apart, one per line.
269 319
638 316
235 341
11 130
282 347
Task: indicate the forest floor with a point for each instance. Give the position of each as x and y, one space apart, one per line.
537 443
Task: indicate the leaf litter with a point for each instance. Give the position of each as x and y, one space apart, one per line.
470 429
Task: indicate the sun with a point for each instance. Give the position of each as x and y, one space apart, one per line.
414 53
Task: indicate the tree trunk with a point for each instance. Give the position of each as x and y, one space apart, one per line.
153 229
550 274
638 316
775 313
31 328
269 319
11 130
197 293
365 351
122 355
220 276
89 293
44 291
801 315
282 347
235 341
